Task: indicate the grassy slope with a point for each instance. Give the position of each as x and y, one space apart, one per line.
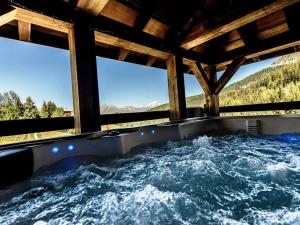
252 82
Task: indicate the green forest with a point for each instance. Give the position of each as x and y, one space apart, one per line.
279 82
12 108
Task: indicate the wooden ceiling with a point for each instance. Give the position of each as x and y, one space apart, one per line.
148 31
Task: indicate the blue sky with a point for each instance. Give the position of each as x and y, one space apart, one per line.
44 74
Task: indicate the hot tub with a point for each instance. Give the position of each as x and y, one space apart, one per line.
234 170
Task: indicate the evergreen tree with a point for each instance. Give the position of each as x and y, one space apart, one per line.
44 112
48 109
31 111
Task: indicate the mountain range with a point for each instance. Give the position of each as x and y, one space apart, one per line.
112 109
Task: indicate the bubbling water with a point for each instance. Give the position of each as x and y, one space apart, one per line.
210 180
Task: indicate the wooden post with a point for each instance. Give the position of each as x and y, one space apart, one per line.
176 88
84 77
212 99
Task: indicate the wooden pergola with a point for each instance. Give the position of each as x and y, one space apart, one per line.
199 37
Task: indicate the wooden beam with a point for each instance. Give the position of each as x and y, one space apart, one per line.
94 7
42 20
135 47
26 126
7 17
281 28
123 54
259 48
24 31
145 13
151 60
196 38
231 69
274 49
297 48
131 46
156 28
261 107
212 99
84 77
176 88
58 15
117 11
201 77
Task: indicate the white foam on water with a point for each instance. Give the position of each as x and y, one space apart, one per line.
294 162
188 182
204 167
279 217
202 141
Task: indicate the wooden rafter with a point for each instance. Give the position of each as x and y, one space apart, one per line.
7 17
151 60
94 7
42 20
145 14
121 43
135 47
297 48
229 72
24 31
120 12
201 76
156 28
61 20
281 28
196 38
123 54
262 47
274 49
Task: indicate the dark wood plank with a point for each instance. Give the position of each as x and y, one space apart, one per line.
84 77
261 107
176 88
107 119
15 127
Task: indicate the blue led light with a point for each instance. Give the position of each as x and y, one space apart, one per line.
142 133
55 150
289 138
71 147
152 131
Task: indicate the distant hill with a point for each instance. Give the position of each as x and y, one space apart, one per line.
277 83
111 109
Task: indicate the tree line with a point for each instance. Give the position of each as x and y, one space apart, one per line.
12 108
